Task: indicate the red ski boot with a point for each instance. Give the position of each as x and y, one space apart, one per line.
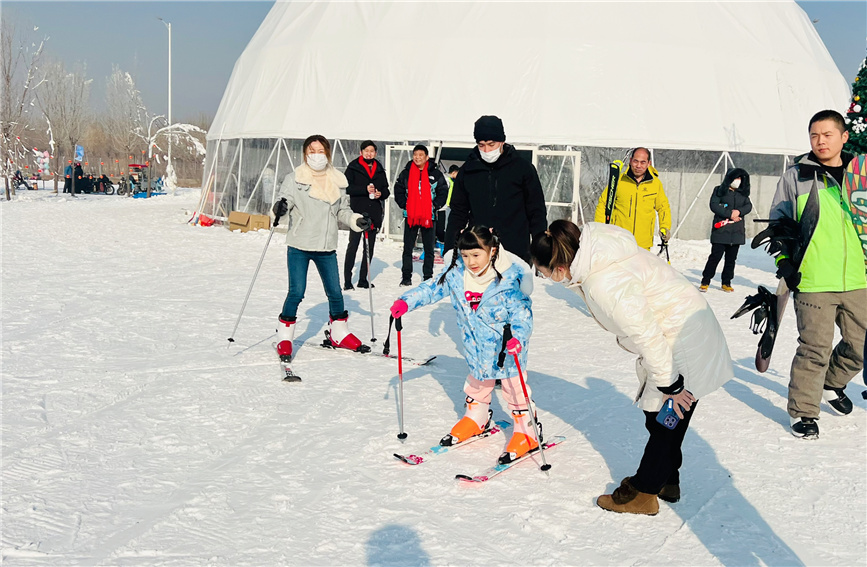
285 336
340 337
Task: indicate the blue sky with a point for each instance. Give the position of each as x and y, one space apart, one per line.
208 37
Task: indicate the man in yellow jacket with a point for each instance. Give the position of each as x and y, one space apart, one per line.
638 199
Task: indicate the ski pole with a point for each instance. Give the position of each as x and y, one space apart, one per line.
256 273
507 334
398 325
369 284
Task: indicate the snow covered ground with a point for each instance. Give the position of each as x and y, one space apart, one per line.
132 434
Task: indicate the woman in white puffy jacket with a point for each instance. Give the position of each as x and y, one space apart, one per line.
658 315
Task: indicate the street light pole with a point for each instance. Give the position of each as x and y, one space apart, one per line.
169 27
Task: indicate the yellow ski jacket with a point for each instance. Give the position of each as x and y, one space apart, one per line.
635 205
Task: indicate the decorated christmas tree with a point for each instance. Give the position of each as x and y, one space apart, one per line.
856 116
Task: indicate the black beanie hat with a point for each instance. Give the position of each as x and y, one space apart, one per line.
489 128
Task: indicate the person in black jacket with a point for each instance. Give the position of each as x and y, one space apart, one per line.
367 190
420 190
730 203
496 187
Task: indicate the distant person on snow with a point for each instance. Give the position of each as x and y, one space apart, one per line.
730 203
314 196
638 200
67 178
496 187
658 315
488 288
420 190
830 287
367 190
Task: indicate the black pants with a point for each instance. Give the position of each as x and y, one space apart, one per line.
352 250
410 233
441 226
716 253
662 458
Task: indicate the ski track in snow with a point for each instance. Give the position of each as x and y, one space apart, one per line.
132 434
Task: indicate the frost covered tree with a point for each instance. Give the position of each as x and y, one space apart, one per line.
856 117
64 102
125 110
20 55
151 132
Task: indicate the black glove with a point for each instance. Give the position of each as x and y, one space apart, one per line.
786 270
364 222
279 209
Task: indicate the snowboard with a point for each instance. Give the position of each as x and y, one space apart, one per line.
855 184
793 237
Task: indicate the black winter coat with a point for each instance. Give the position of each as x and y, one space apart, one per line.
359 201
723 201
438 185
506 195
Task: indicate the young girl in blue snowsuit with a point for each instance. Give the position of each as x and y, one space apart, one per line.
489 288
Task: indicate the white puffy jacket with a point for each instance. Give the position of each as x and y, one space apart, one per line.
654 311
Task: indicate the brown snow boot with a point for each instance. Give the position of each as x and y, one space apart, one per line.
626 499
670 492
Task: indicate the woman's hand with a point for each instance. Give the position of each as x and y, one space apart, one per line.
682 402
377 194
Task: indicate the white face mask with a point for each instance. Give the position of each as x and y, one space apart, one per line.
736 183
491 156
317 162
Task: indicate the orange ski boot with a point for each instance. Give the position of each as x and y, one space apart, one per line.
523 437
476 421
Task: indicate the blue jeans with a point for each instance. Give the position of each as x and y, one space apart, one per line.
326 263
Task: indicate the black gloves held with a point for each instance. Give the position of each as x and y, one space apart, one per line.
279 209
787 271
364 223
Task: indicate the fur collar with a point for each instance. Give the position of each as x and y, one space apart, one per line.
334 182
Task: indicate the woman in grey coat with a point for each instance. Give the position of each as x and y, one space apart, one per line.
314 196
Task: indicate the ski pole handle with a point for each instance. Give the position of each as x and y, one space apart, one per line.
507 334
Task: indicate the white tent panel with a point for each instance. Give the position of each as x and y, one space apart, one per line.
738 76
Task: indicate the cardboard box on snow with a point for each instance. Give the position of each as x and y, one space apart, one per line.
246 222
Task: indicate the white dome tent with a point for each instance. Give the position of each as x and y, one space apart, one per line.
701 83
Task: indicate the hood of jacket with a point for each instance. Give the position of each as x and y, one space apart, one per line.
809 165
597 254
730 176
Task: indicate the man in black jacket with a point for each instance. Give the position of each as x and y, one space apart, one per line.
730 203
420 190
367 190
497 188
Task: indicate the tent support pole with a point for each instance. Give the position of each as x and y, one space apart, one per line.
576 168
240 162
680 224
259 179
203 198
276 172
339 145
